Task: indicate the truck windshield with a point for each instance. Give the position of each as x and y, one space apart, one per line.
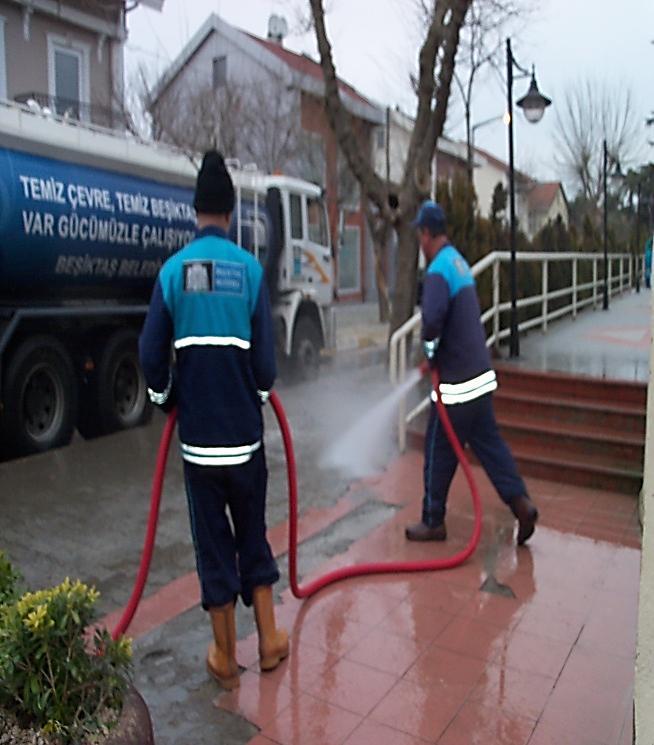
317 221
253 229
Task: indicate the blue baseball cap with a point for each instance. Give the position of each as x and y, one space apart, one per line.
431 216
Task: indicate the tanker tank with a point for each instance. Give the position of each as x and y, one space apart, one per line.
72 232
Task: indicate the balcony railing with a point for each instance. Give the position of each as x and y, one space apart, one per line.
103 116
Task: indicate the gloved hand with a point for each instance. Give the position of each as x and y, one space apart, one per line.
169 404
166 400
429 347
263 395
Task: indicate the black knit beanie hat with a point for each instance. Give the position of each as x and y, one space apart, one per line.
214 191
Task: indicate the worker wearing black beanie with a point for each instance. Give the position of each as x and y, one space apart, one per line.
211 302
214 191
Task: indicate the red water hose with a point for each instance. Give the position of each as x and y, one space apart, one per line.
327 579
386 567
153 518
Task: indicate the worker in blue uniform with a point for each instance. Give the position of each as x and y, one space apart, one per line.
454 341
211 304
648 262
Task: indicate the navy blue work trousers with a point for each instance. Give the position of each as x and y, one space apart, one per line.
230 562
475 425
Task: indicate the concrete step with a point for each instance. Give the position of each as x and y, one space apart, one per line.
565 468
615 393
627 419
570 429
562 439
568 470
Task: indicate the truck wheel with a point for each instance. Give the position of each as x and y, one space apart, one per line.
305 357
40 395
116 396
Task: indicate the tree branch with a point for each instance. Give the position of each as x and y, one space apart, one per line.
450 45
340 119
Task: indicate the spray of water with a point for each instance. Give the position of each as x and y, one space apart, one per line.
366 446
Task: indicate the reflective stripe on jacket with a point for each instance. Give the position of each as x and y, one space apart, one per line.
211 304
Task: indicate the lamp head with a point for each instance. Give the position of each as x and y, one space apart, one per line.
534 102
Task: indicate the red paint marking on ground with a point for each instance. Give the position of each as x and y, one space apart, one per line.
638 337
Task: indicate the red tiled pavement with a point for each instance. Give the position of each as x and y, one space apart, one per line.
429 658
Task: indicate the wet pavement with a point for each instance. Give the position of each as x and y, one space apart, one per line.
519 645
529 645
604 344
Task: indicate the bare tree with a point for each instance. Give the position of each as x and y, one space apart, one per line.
271 127
255 122
481 45
396 204
589 113
199 119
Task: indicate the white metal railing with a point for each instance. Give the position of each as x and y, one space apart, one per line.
620 276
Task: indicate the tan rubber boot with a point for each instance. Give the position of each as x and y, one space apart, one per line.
221 658
273 642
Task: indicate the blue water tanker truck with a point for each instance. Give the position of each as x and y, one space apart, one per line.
87 218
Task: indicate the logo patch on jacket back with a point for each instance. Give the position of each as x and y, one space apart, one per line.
198 276
222 277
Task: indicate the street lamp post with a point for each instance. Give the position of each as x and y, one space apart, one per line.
533 104
605 162
616 174
637 237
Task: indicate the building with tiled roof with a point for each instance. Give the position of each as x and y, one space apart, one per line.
222 62
537 203
547 203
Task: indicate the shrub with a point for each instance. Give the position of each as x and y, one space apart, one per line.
9 579
54 675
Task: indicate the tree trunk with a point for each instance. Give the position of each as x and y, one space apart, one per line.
405 283
379 232
436 68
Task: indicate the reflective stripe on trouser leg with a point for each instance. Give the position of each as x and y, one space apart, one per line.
494 454
247 506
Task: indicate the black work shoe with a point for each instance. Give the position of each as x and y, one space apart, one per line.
527 515
422 532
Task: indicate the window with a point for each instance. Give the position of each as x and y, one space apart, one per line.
219 72
349 191
296 216
311 165
68 77
255 237
349 269
3 65
317 221
381 138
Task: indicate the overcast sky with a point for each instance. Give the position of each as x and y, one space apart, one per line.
376 43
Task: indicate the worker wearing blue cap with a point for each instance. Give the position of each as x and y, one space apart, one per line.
454 341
